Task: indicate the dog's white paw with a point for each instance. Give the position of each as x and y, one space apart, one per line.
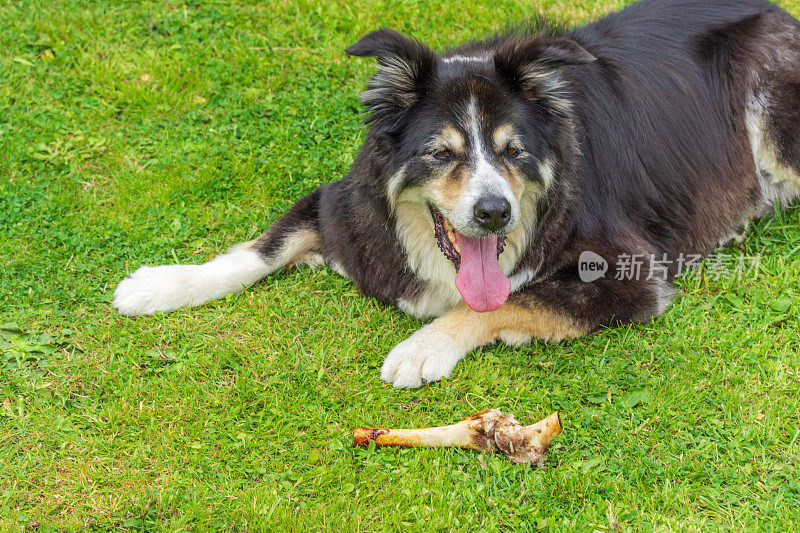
164 288
153 289
424 357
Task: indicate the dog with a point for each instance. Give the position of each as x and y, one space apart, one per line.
490 169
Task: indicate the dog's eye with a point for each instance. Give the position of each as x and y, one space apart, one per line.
511 151
442 154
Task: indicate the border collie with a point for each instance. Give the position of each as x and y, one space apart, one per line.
490 168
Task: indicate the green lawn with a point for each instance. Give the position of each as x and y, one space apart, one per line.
157 132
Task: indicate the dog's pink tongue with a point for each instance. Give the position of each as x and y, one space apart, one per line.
479 280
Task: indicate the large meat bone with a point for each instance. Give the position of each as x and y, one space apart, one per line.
489 431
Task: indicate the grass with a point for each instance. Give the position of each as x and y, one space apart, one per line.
156 132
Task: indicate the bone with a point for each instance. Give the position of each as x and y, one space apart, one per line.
490 431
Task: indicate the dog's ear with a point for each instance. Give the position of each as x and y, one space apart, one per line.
405 68
533 65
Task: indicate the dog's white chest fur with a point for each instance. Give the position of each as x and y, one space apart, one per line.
415 230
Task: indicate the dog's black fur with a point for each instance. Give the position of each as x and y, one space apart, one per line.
667 125
659 160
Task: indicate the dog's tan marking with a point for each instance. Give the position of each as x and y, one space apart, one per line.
471 330
301 247
447 189
502 137
451 139
514 178
449 184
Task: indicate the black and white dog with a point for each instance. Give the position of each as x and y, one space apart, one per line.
489 169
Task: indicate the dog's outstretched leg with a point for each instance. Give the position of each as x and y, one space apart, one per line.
294 238
432 353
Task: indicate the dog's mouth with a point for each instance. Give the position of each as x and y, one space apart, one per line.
479 279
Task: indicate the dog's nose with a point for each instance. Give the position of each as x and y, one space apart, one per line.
492 212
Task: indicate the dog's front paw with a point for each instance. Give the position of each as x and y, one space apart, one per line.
426 356
153 289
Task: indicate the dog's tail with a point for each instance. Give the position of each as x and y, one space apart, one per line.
294 238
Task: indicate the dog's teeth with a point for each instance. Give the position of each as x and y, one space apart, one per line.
501 244
457 247
451 236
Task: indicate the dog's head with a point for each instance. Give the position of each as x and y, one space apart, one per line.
465 139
